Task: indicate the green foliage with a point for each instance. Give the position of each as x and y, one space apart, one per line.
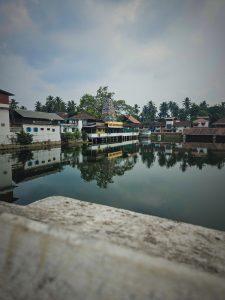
163 110
70 136
13 104
88 104
71 108
174 109
93 105
84 135
38 106
24 138
148 112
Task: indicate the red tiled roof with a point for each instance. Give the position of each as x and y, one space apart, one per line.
132 119
204 131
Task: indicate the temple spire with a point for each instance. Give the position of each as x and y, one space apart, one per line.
108 110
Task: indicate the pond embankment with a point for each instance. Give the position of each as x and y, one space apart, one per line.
196 246
167 137
62 248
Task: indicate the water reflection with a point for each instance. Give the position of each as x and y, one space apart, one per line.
103 163
184 182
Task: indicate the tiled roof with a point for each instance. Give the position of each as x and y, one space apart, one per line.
83 116
132 119
200 120
219 122
62 114
38 115
182 123
204 131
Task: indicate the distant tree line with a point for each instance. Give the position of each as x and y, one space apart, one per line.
92 104
189 111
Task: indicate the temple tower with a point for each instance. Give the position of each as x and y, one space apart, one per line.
108 110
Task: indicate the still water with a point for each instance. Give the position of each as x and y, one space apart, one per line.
180 182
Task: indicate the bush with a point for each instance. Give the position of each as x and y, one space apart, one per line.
70 136
84 136
24 138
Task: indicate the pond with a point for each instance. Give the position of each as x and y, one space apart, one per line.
182 182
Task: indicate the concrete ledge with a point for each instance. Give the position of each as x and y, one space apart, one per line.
198 247
38 261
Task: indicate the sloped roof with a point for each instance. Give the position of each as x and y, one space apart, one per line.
132 119
83 116
219 122
200 120
6 93
62 114
182 123
38 115
204 131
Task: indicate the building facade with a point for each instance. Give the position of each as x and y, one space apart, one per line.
5 135
44 127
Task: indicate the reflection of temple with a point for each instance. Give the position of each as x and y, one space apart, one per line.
108 130
103 162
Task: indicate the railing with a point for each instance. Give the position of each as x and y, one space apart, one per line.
105 135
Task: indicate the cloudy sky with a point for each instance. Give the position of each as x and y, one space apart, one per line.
143 50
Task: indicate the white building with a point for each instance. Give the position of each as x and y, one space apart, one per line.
4 117
169 123
44 127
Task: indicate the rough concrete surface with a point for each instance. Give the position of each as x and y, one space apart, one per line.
41 261
198 247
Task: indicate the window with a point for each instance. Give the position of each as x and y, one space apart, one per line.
29 164
3 124
48 129
42 129
53 130
43 161
28 129
35 129
37 162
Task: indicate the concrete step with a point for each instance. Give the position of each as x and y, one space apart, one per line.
42 261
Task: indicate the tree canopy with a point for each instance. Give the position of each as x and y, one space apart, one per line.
93 104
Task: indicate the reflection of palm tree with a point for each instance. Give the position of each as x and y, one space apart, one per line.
147 155
161 158
172 160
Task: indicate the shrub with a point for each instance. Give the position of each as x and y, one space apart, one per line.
84 136
24 138
70 136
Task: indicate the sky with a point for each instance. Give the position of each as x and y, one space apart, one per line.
142 50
